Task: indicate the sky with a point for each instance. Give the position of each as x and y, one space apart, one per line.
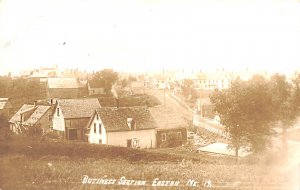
149 35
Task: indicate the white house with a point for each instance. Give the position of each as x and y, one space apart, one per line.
71 116
123 126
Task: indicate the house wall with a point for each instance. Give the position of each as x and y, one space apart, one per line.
172 138
93 91
62 92
147 138
82 92
45 122
58 120
96 137
77 123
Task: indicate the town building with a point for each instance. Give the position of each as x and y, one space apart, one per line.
70 117
62 88
122 126
31 116
95 88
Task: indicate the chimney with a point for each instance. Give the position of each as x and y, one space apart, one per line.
117 102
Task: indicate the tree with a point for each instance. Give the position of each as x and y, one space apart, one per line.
285 102
107 78
187 88
245 110
127 82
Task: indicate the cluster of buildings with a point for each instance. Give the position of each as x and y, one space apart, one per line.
84 119
71 112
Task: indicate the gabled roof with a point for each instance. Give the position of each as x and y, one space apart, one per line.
38 113
78 108
115 119
166 119
17 117
62 83
4 103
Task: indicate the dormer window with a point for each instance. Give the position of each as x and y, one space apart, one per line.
57 112
131 124
129 120
97 117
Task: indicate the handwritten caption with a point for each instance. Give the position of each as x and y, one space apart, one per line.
156 182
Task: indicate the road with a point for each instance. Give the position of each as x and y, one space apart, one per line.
171 105
177 107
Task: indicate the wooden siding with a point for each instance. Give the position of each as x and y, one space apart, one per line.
172 137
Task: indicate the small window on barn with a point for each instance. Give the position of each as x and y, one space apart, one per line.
179 136
49 117
97 116
95 128
100 128
163 137
58 112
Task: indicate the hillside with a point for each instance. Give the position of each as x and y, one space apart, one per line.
46 164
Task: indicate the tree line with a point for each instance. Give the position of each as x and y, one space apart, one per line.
249 109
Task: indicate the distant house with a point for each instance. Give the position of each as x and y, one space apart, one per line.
95 88
123 126
205 108
72 115
38 77
5 107
82 89
211 81
171 137
31 116
62 88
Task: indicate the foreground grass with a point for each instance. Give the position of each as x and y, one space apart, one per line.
61 172
43 164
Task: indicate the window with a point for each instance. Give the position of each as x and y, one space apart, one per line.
163 137
135 143
97 116
179 136
49 117
95 128
100 141
100 128
57 112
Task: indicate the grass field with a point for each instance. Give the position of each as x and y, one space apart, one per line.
47 164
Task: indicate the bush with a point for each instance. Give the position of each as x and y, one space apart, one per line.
52 135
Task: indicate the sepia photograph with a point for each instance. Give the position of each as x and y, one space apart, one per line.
150 94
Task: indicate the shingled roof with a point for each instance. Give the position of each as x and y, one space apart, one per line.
17 116
78 108
62 83
38 113
115 119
